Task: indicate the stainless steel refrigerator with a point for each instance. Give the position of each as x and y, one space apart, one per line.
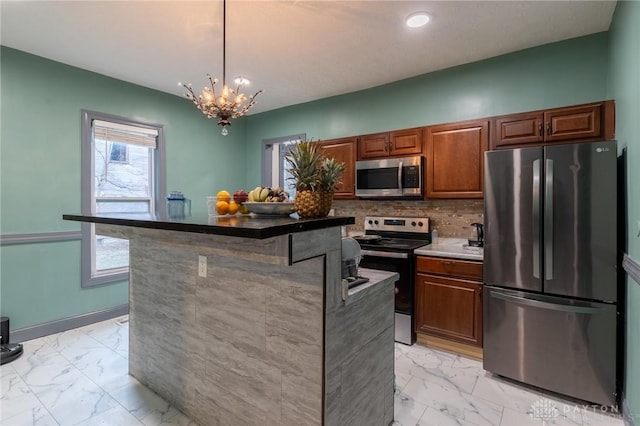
550 294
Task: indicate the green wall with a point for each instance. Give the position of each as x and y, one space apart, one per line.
40 147
40 175
564 73
624 86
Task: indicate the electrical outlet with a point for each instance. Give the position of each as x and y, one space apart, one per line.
202 266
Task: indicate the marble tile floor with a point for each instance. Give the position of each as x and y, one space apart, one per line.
79 377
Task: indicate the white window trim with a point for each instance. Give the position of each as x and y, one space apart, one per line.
272 160
89 279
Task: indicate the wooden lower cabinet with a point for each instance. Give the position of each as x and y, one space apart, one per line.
449 299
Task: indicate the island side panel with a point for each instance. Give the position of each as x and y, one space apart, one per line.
359 355
243 345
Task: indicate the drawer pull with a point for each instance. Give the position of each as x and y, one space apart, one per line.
448 262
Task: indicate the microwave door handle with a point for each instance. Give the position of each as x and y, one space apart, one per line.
400 177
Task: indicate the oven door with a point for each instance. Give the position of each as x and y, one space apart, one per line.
402 263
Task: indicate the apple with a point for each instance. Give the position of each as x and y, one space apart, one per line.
240 196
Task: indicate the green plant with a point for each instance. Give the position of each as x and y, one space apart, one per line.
305 160
330 174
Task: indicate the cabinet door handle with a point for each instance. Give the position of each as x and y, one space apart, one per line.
549 128
540 129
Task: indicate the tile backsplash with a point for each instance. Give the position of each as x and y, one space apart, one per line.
452 218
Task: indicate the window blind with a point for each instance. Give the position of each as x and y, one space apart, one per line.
115 132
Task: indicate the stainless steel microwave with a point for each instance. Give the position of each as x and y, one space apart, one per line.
389 177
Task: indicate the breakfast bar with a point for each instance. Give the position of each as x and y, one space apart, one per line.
244 320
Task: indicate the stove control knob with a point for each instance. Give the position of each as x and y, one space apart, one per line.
413 223
376 222
420 224
370 222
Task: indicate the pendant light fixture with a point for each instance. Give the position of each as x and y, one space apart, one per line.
231 103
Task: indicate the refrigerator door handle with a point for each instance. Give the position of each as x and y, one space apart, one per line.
548 220
535 222
591 310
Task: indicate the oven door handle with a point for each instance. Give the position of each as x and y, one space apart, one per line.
391 254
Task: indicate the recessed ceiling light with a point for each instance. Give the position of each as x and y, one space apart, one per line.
417 19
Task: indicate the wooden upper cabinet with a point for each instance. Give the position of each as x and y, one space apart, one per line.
405 142
373 146
398 143
345 151
454 159
579 123
520 129
573 123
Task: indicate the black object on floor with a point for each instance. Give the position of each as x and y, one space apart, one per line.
8 351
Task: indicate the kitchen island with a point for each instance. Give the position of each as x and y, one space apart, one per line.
244 320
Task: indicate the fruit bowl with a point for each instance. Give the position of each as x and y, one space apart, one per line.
270 209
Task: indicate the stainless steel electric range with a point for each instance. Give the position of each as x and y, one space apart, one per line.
388 245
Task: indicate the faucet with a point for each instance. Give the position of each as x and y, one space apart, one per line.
479 241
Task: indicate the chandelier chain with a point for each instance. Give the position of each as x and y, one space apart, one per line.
231 103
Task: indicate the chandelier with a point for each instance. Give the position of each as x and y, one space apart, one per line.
231 103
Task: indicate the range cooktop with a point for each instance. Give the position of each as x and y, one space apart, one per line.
391 243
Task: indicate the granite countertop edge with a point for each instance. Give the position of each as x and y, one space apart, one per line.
256 227
451 248
376 277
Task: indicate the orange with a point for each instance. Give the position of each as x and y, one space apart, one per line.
224 196
233 207
222 207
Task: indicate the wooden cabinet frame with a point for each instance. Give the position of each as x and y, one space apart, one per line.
449 299
344 150
454 163
578 123
398 143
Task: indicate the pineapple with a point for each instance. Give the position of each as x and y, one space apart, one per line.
330 174
309 203
330 178
305 161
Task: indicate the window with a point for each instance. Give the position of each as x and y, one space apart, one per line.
275 169
122 172
119 153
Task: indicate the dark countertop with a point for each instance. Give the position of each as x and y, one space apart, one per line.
247 226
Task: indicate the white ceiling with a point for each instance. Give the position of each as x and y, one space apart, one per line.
295 50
